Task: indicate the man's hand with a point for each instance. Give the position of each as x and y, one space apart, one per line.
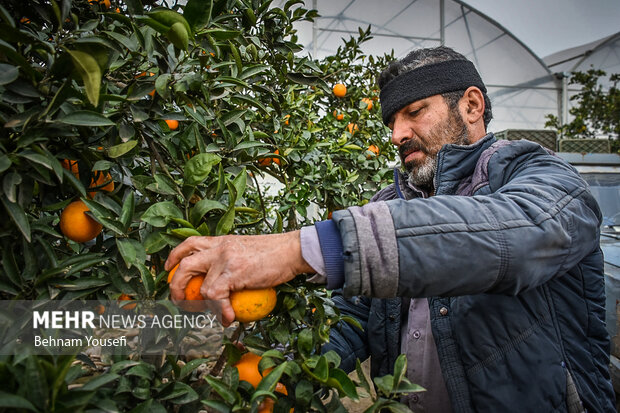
235 262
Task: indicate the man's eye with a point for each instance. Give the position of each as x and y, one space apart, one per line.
414 112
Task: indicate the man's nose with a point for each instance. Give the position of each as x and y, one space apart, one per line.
401 131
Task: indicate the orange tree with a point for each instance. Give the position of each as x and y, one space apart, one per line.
165 123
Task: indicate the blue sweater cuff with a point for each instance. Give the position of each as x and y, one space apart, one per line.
331 248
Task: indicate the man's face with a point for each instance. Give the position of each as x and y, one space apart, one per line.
419 130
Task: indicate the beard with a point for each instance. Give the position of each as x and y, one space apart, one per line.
422 172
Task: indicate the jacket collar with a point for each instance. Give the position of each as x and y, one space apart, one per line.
454 163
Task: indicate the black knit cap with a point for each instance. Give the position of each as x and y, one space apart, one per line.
425 81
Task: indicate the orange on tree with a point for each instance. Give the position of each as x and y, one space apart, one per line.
76 225
253 305
101 182
352 128
368 103
339 90
286 118
269 161
106 3
268 403
71 165
192 292
173 124
374 149
338 116
128 306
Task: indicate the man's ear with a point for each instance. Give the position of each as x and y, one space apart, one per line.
472 105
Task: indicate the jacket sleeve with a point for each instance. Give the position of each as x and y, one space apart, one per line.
346 339
534 220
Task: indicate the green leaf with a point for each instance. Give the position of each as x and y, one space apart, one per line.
159 214
240 182
304 391
128 210
86 118
8 400
191 366
121 149
99 381
8 73
400 370
181 394
178 36
197 13
270 381
305 342
127 250
361 376
19 216
236 55
223 34
203 207
185 232
198 167
89 70
169 17
143 370
222 389
5 163
344 383
226 222
161 84
384 384
154 243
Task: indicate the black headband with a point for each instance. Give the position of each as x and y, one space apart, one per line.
425 81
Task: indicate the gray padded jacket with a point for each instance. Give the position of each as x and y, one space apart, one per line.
507 252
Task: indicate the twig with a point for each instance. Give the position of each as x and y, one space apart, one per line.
221 361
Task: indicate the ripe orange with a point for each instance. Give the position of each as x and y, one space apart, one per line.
192 292
286 118
24 20
106 3
173 124
338 116
268 161
352 128
142 74
103 182
76 225
125 297
268 403
252 305
71 165
339 90
368 103
374 149
247 367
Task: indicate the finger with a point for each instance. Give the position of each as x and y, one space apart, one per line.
189 267
228 314
188 247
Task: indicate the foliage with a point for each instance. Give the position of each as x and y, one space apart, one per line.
596 112
94 83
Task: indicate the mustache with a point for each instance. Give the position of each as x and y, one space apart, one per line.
410 146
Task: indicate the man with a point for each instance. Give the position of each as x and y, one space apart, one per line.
481 262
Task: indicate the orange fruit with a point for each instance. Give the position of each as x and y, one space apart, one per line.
76 225
125 297
142 74
286 118
374 149
338 116
172 124
267 405
352 128
339 90
368 103
106 3
117 10
269 161
252 305
71 165
192 292
24 20
100 309
247 366
103 182
171 273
